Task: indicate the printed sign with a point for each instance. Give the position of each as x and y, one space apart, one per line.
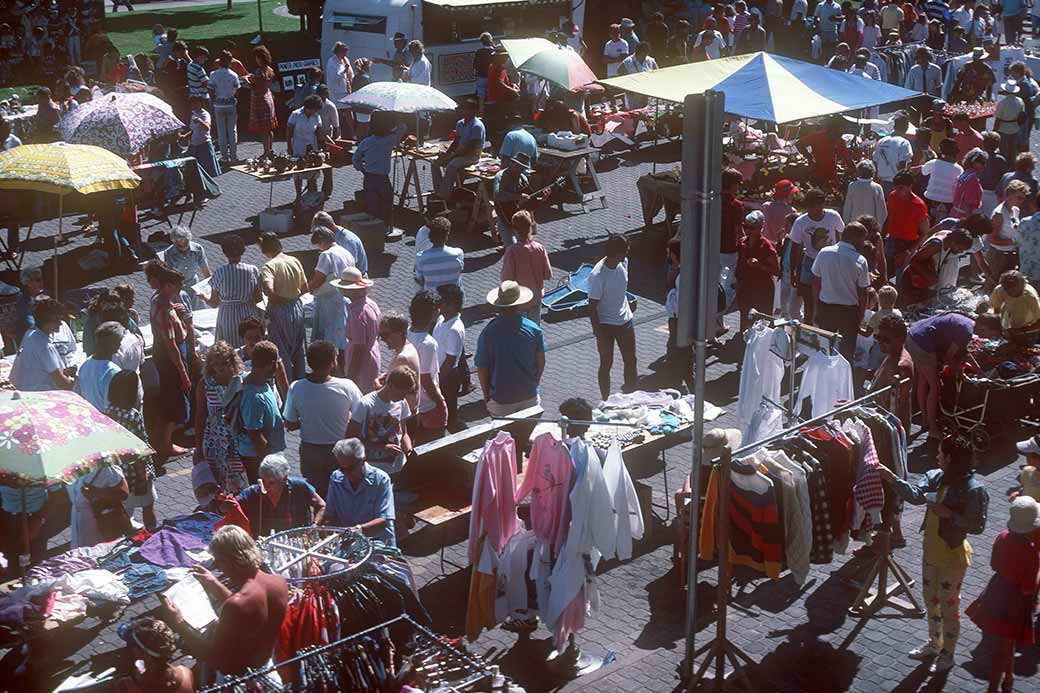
455 68
294 65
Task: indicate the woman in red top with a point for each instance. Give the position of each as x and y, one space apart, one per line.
757 266
1005 608
262 117
967 196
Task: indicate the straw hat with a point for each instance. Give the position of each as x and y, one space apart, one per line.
351 278
509 294
1024 515
718 438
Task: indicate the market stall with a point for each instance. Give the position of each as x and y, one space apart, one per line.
771 102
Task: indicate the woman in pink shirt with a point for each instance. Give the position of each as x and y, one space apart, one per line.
363 318
527 262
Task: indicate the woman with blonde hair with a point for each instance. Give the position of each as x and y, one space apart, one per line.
214 438
527 262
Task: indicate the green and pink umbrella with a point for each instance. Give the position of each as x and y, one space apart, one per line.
553 63
58 435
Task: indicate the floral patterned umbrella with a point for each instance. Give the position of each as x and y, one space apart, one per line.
57 435
124 124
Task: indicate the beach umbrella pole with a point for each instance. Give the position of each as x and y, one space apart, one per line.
24 557
58 239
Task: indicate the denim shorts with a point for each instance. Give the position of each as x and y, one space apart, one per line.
482 84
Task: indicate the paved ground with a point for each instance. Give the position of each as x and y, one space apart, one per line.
794 634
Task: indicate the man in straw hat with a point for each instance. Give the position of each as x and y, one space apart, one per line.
510 353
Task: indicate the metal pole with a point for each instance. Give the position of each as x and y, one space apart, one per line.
701 178
260 18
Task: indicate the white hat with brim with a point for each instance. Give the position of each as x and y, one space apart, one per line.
718 438
1029 446
351 279
1024 515
509 294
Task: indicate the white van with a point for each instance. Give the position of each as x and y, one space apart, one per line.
449 29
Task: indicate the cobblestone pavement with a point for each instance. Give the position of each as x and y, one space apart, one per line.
796 635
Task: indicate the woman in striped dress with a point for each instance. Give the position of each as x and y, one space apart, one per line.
235 291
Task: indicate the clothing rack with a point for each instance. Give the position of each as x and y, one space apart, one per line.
479 671
297 543
803 335
720 648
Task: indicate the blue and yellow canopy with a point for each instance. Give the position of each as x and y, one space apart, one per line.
767 87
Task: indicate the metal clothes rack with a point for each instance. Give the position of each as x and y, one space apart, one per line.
802 335
479 668
720 649
289 553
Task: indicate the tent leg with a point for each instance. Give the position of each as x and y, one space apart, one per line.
57 240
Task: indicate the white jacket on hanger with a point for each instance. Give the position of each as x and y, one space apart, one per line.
760 374
628 516
592 532
826 381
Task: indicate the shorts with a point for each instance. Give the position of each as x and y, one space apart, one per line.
482 85
920 357
172 406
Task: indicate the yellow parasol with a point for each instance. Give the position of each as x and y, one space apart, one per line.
62 168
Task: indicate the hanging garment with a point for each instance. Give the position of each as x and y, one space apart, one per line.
511 589
548 481
480 605
756 532
796 509
822 549
868 492
494 496
826 381
592 529
760 374
628 516
839 463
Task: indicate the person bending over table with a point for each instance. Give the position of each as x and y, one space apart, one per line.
1018 305
360 496
249 618
943 340
464 150
934 266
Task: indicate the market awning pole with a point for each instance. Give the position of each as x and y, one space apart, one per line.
698 292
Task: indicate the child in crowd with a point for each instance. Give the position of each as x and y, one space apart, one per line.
139 471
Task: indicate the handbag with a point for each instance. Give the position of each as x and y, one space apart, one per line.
106 504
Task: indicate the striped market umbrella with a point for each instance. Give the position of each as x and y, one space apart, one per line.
57 435
124 124
559 65
62 168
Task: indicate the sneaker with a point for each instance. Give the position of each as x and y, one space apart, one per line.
923 653
943 663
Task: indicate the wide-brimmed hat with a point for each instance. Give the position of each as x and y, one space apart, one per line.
718 438
522 158
351 278
1023 515
509 294
627 23
1029 446
978 52
1010 87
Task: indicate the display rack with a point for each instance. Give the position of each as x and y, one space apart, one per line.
720 649
305 555
467 672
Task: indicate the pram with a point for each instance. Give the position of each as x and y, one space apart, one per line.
983 408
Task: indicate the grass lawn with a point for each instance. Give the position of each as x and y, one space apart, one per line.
210 25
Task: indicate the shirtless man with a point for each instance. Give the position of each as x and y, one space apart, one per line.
249 617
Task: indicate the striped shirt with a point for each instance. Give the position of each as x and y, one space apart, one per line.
439 265
235 282
198 80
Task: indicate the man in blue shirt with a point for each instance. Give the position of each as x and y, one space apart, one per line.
510 353
372 158
1013 11
517 141
262 429
360 496
464 151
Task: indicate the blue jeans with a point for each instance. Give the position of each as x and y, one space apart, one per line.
379 197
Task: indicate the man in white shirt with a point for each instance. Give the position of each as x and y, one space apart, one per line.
892 17
303 129
893 153
615 50
329 115
338 75
225 85
710 41
841 280
830 15
450 334
610 314
639 61
431 415
420 71
319 407
925 76
799 8
818 228
963 15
